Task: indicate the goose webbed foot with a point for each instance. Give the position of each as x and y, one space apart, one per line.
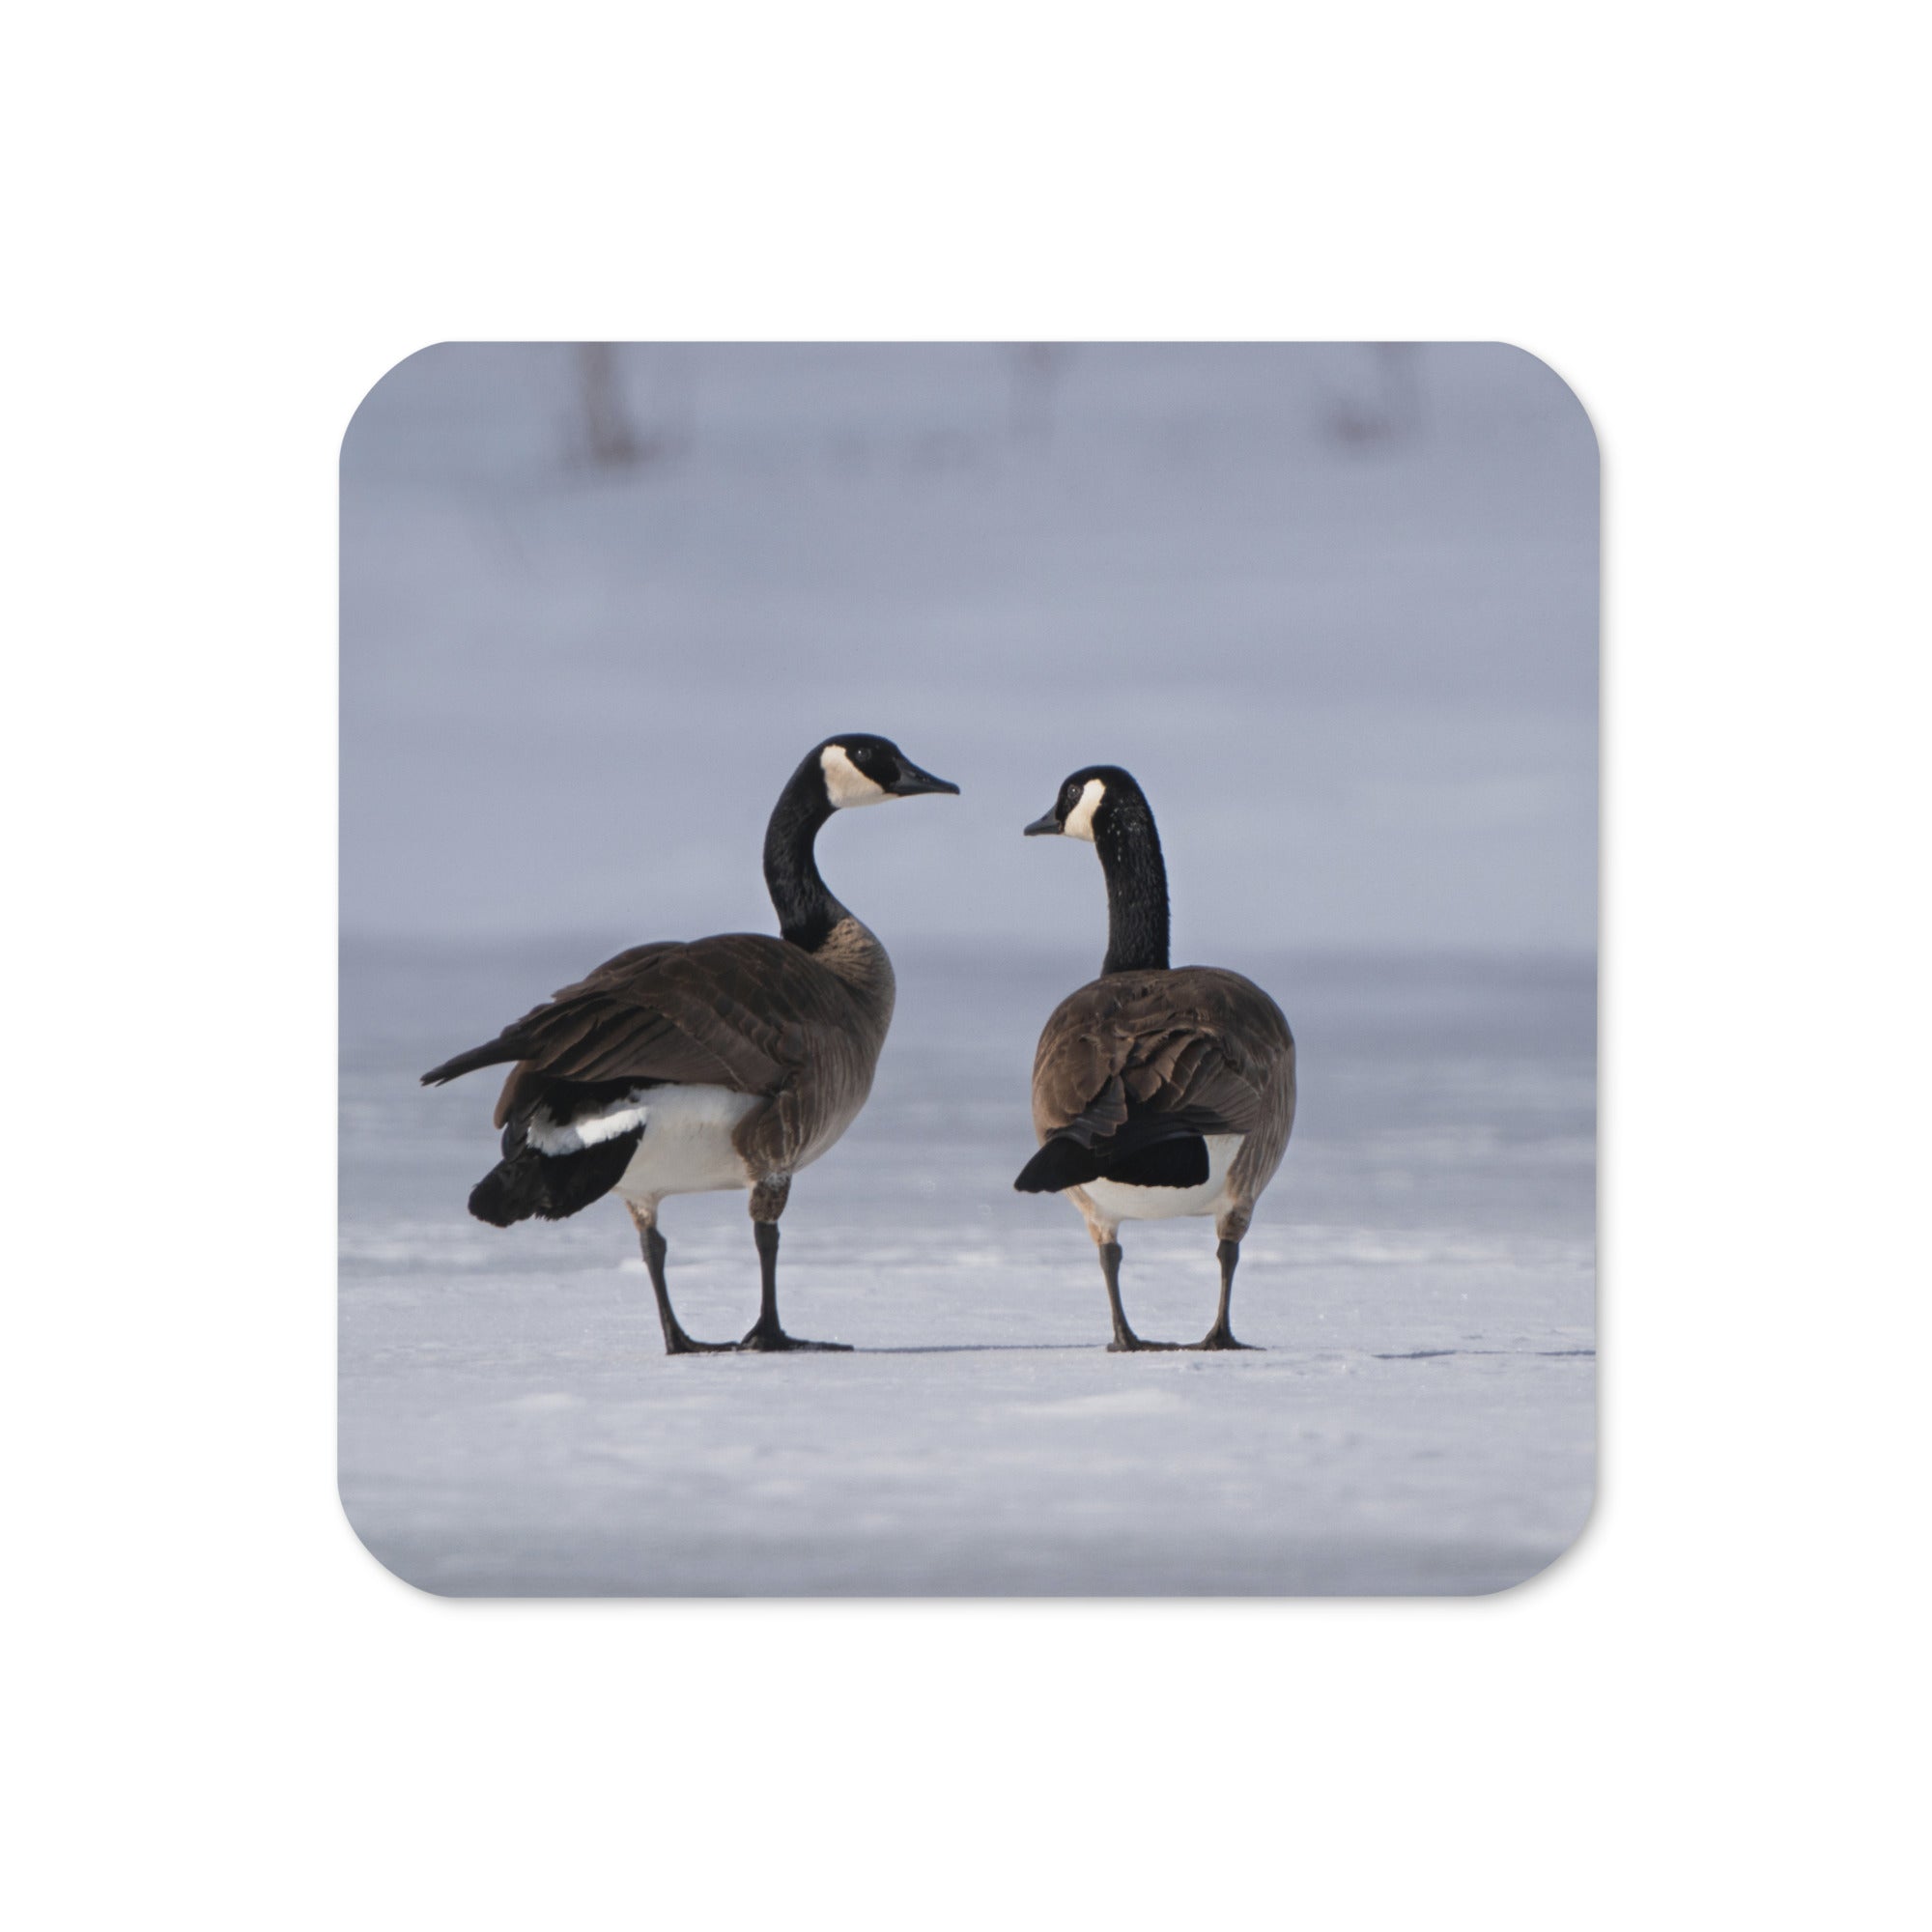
1221 1337
766 1337
678 1343
1125 1342
769 1340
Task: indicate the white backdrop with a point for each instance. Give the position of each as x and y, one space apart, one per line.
231 226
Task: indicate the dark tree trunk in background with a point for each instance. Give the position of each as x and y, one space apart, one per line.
610 439
1036 369
1387 406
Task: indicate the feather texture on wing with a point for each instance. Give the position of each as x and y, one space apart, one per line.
741 1011
1183 1050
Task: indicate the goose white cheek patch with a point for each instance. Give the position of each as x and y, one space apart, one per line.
846 785
1080 820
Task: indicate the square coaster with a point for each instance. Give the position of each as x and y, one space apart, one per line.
1278 1031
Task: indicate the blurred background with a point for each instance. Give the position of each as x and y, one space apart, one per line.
1336 607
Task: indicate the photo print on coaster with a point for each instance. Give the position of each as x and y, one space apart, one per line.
805 806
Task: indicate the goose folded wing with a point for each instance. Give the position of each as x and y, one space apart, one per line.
1098 1072
735 1011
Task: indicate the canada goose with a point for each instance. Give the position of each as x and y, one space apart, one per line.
1157 1090
729 1061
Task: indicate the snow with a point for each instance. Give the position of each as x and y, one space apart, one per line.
1421 1276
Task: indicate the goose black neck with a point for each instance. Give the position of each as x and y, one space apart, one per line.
1129 850
807 910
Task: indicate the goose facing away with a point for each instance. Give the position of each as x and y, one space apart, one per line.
725 1063
1157 1090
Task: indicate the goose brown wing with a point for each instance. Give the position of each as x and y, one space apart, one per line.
740 1011
1195 1045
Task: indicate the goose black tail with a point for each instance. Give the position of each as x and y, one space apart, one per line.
551 1186
1177 1160
495 1054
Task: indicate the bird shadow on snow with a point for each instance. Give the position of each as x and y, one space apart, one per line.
983 1348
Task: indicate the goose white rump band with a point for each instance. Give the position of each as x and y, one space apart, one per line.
687 1145
1117 1201
846 785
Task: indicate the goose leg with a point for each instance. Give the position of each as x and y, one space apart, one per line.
1125 1341
676 1341
765 1335
1221 1336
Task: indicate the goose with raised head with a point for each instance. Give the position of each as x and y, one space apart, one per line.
687 1068
1157 1090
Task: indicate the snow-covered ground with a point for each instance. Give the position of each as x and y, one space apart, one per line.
1421 1275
